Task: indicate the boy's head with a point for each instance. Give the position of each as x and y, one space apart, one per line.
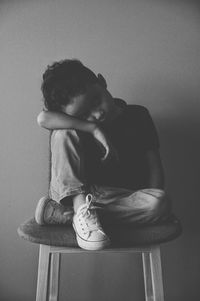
70 87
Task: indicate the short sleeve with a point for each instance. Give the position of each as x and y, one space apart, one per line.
149 135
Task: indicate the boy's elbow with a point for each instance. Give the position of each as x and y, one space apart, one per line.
41 119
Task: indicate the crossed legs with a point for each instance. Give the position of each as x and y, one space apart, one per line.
68 181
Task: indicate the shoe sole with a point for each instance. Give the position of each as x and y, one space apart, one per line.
91 246
39 212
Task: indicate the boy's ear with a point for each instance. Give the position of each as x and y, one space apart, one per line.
102 80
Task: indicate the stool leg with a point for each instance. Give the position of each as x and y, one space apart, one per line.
156 272
153 275
43 273
147 276
54 277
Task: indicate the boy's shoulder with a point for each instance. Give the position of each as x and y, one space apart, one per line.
137 108
132 108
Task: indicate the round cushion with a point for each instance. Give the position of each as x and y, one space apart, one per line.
120 235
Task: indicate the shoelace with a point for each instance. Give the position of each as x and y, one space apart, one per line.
90 219
51 219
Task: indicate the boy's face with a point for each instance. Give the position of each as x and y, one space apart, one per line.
95 105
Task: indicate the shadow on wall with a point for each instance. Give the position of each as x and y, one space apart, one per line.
175 108
176 114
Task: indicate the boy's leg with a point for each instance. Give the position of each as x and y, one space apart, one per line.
67 165
68 182
66 179
125 206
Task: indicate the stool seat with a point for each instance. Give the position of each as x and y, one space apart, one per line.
120 235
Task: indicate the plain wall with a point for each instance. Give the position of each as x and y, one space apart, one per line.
149 53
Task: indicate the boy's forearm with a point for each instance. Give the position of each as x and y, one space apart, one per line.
58 120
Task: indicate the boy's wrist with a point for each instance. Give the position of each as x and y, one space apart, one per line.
91 128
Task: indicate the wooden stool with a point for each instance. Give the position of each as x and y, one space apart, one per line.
55 240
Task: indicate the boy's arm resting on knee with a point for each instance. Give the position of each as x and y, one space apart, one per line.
59 120
156 172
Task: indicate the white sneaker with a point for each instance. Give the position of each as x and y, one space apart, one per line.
89 232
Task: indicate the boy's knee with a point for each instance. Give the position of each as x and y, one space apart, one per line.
65 137
154 200
64 143
159 202
61 135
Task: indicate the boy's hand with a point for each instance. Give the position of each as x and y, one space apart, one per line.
105 142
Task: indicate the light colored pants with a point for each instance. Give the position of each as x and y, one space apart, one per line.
116 204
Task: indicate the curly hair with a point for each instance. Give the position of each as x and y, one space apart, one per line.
63 80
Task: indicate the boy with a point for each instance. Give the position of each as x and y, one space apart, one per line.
126 182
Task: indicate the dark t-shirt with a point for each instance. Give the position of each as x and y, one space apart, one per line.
132 134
